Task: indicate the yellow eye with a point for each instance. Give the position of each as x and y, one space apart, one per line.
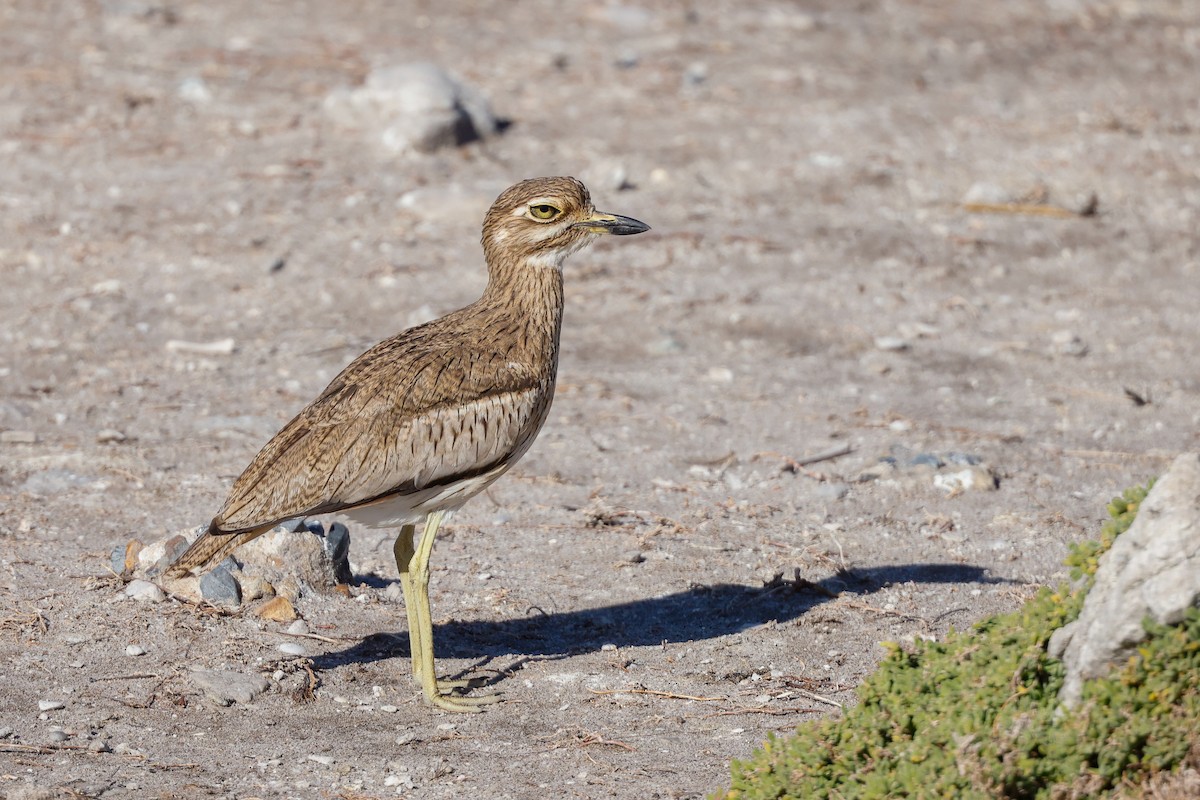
544 211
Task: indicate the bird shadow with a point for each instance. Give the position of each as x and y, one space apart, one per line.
698 613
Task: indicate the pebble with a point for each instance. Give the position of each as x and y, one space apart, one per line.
891 343
977 478
225 687
51 705
99 746
986 193
220 587
832 490
634 557
292 649
278 609
326 760
173 548
135 650
18 437
388 709
414 107
58 735
608 648
255 587
220 347
144 592
298 628
195 91
5 732
54 481
109 436
720 375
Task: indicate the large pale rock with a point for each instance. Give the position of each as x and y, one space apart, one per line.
1153 570
225 687
414 107
316 559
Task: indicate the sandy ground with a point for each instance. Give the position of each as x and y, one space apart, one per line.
813 283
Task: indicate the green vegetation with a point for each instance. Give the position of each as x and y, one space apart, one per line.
976 715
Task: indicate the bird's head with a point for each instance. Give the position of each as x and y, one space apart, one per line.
541 221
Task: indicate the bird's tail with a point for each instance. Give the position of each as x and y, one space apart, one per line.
211 549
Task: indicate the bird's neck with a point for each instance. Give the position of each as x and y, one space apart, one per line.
527 299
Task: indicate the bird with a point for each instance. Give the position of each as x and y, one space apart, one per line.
423 421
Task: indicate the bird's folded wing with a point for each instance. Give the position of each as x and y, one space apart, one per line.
381 429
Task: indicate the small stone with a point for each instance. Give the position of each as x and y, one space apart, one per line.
150 555
416 107
982 193
99 746
288 587
225 687
219 587
278 609
5 732
18 437
388 709
925 459
608 648
325 760
298 628
51 705
720 375
173 548
635 557
58 735
971 478
135 650
891 344
144 592
220 347
195 91
132 550
255 587
833 490
109 436
292 649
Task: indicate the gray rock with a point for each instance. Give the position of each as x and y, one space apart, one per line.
51 705
220 587
832 490
292 649
987 194
301 555
225 687
144 592
416 107
54 481
1153 570
5 732
116 559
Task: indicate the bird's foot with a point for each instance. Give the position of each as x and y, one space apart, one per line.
460 703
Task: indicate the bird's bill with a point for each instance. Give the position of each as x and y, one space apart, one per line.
612 223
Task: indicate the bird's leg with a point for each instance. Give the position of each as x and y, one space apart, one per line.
404 550
421 628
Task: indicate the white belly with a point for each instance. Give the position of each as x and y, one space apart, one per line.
409 509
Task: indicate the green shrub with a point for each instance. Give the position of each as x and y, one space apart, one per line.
977 716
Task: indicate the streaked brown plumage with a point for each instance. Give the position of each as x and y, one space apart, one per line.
423 421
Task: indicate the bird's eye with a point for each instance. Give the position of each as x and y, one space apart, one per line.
544 211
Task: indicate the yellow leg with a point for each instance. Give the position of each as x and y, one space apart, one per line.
404 549
415 582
